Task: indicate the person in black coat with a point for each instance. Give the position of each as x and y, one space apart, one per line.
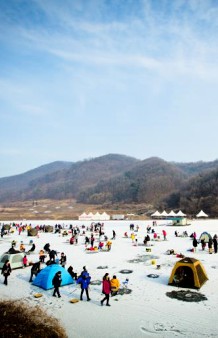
47 247
215 243
63 260
52 255
56 281
6 271
32 249
34 270
210 245
195 244
72 273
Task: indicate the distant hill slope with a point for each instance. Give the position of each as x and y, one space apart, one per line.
146 182
194 168
118 179
12 186
199 192
61 180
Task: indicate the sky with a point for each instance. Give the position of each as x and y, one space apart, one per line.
84 78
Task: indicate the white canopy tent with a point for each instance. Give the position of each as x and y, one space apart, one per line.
105 217
156 214
94 217
172 214
164 214
180 213
201 214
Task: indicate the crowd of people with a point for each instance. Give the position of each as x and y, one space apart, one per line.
96 236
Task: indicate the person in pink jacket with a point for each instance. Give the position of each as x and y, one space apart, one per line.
106 289
164 235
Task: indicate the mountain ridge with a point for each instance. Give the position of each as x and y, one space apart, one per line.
115 178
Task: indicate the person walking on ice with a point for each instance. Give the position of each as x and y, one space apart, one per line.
6 271
84 281
56 281
106 289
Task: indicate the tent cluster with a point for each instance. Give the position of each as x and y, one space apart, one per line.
170 214
94 217
174 214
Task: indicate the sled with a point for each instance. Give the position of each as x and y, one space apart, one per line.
74 300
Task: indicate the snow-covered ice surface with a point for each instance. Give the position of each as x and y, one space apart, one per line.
146 311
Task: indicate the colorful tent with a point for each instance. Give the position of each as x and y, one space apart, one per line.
45 276
188 273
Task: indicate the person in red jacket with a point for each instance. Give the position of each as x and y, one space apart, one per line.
164 234
25 261
106 289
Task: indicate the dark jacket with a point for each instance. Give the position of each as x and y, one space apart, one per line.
71 272
56 281
6 270
195 243
47 247
63 259
32 248
52 254
35 268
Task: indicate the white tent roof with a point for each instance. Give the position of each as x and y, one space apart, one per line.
201 214
172 213
83 214
105 214
164 213
97 215
156 213
180 213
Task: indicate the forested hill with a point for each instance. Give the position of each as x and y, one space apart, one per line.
199 192
119 179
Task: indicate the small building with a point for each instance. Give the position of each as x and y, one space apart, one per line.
178 220
118 217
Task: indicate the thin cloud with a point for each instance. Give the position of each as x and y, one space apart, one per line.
147 42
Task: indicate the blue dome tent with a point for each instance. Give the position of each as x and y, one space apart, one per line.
45 276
